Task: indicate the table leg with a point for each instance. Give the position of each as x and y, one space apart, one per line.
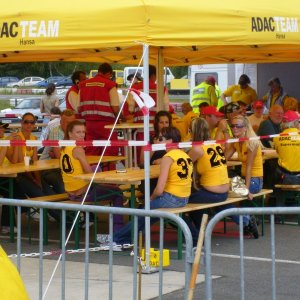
11 210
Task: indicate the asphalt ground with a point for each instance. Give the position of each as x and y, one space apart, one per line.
225 261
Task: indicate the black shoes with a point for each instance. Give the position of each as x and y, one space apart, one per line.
251 228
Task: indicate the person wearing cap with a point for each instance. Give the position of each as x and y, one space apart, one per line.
276 94
288 149
240 92
134 79
230 111
212 117
204 92
257 117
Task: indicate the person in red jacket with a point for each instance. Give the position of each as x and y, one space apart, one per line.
72 97
99 106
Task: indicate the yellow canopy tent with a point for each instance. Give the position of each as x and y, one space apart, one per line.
187 32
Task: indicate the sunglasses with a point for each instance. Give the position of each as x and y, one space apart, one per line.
239 126
29 122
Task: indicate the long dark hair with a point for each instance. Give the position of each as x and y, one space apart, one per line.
200 130
161 113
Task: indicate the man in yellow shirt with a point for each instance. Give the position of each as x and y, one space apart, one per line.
241 92
188 116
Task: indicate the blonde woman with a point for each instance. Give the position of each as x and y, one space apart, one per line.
249 153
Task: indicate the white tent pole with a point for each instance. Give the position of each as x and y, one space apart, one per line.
147 160
160 81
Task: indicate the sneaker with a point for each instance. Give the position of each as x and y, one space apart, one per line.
35 215
51 219
252 227
103 238
106 247
6 229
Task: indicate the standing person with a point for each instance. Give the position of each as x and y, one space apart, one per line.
99 106
288 149
211 182
276 94
257 117
73 162
132 110
50 100
72 97
249 153
242 91
172 190
204 92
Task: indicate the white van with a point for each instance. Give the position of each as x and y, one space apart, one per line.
168 76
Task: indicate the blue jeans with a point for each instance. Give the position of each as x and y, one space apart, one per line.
256 184
113 193
204 196
167 200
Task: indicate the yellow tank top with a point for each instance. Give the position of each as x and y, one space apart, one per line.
27 151
288 149
212 166
69 168
257 168
179 180
5 161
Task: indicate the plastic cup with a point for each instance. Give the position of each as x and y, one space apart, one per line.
27 160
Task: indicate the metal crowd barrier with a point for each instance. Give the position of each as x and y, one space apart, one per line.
242 211
103 210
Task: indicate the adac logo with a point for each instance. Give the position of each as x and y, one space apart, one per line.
279 25
28 31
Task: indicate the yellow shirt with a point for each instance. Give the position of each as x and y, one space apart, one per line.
247 95
179 124
187 119
257 168
288 149
5 160
212 166
69 168
179 180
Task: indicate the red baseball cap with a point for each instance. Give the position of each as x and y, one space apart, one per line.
211 79
211 110
290 116
257 104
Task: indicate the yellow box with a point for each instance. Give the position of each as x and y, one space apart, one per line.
154 257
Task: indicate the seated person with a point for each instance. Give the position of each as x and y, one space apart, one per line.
257 117
172 190
73 162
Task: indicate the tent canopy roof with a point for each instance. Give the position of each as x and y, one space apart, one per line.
188 32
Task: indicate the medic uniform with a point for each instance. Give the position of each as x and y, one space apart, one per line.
96 110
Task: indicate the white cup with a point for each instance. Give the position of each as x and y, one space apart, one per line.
27 160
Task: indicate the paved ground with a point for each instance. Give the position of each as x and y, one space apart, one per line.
225 265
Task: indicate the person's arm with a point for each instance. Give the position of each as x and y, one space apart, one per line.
42 107
222 130
249 164
74 100
78 153
213 96
114 100
14 154
3 151
229 150
195 153
165 165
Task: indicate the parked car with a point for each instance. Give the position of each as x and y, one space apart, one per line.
65 82
45 82
27 81
4 81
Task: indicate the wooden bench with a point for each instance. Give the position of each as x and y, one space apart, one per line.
289 191
63 198
200 206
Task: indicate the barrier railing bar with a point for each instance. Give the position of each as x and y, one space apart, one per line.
63 255
161 246
110 257
135 257
87 254
273 255
242 261
19 238
41 245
